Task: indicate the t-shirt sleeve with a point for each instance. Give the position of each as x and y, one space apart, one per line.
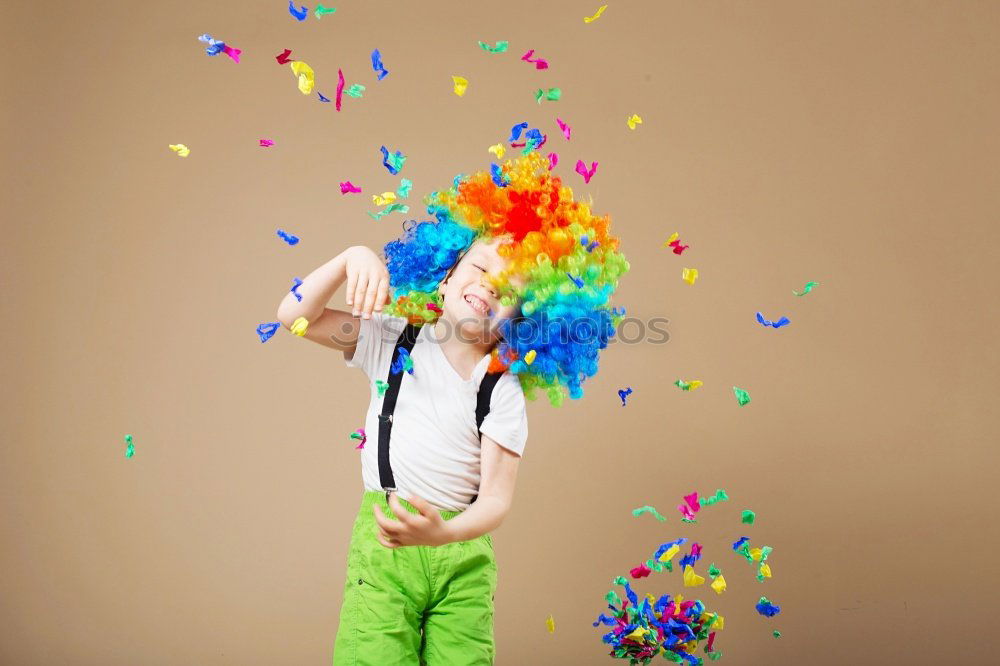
507 421
376 341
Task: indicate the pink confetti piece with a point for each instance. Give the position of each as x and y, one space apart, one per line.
349 188
553 160
582 169
564 127
640 571
696 549
283 58
340 87
539 63
434 308
232 53
522 144
686 512
266 143
692 501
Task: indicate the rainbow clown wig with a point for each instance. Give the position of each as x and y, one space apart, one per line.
567 259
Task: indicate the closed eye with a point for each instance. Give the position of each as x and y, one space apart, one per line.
479 267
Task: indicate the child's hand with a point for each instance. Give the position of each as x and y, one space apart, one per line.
426 529
367 281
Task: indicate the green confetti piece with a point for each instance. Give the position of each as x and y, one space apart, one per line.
777 634
669 566
405 185
355 90
720 496
748 517
613 598
648 509
764 552
688 520
714 571
552 94
320 10
391 208
744 550
130 449
714 655
742 396
381 387
672 656
805 290
501 47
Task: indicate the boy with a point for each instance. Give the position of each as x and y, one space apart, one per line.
449 395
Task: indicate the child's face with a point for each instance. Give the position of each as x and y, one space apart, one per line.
471 301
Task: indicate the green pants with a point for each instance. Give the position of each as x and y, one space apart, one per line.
415 604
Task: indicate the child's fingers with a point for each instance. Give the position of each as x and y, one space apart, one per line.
382 296
359 293
366 310
352 280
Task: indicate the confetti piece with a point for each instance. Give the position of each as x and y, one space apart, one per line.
719 584
380 71
689 275
585 242
287 237
402 363
130 449
784 321
552 94
766 608
622 393
805 290
283 58
777 634
305 75
434 308
299 326
498 150
515 132
460 85
591 19
267 330
650 510
496 173
675 244
301 13
550 622
689 386
582 169
501 47
529 358
340 88
392 161
232 53
405 185
383 199
349 188
640 571
266 143
360 435
321 10
764 571
296 283
632 121
719 496
577 281
748 517
180 149
691 579
539 63
215 47
381 387
742 396
564 127
553 160
391 208
355 90
669 553
322 97
714 571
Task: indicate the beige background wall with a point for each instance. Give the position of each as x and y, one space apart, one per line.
850 143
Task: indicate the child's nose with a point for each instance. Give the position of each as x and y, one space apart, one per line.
487 282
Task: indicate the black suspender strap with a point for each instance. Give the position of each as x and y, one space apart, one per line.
483 403
406 341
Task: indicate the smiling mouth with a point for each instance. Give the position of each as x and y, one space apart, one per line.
478 304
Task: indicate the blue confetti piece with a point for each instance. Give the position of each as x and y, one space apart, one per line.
380 71
394 161
577 281
497 174
300 13
322 97
515 132
266 330
739 542
766 608
624 393
784 321
402 362
215 47
287 237
296 283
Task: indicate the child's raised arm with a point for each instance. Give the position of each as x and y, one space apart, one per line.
367 289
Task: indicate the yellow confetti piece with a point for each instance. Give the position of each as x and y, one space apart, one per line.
498 150
765 570
693 384
674 236
304 72
719 584
461 84
669 553
638 634
591 19
384 199
689 275
551 624
755 554
529 358
299 326
691 579
180 149
633 120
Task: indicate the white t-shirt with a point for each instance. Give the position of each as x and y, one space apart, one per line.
434 449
